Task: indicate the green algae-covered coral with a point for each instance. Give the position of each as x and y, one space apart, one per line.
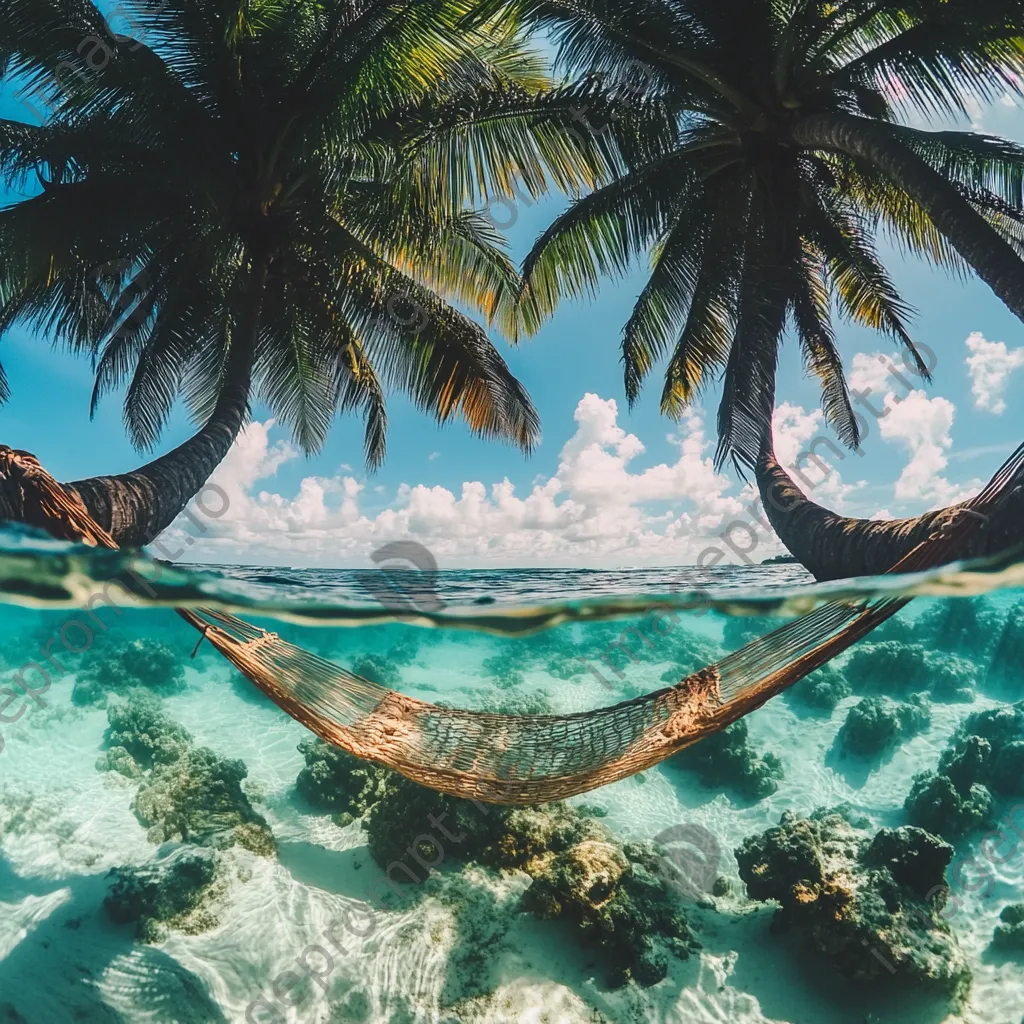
519 702
505 668
335 780
140 735
493 835
1009 933
966 626
608 892
564 667
689 651
727 760
378 669
740 630
985 757
614 899
140 663
899 669
870 905
1006 666
199 799
170 893
877 723
936 804
822 690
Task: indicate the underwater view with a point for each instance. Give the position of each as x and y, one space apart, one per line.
175 848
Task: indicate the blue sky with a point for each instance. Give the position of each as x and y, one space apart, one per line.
607 486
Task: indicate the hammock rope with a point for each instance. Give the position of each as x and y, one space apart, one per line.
527 759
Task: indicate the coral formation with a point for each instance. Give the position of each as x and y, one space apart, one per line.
899 669
740 630
140 663
1005 666
378 669
963 626
876 723
727 760
530 702
614 899
870 905
335 780
609 893
170 893
984 757
185 792
565 667
198 799
689 651
505 668
822 690
141 735
1009 933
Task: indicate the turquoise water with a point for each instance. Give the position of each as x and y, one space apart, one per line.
168 853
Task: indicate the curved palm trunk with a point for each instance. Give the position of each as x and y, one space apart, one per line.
136 507
833 547
992 257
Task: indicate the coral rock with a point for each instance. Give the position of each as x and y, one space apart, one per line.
862 902
726 759
168 893
877 723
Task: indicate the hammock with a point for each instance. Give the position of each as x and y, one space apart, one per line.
512 759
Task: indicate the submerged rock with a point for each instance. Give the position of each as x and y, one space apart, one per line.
689 652
822 690
936 804
727 760
377 669
335 780
863 902
141 735
492 835
505 668
199 799
608 892
614 899
140 663
1009 933
740 630
878 723
171 893
966 626
565 667
519 703
899 669
984 757
1006 666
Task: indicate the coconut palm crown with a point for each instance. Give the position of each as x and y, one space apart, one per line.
788 160
239 200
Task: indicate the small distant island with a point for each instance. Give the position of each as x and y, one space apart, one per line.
780 560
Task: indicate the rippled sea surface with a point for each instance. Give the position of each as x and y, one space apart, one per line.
169 854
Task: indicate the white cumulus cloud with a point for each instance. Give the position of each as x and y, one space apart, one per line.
919 424
990 364
599 508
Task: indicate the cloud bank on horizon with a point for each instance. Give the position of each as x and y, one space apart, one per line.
601 507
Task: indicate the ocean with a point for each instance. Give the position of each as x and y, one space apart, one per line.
175 848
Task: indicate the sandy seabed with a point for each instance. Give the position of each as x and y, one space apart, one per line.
460 950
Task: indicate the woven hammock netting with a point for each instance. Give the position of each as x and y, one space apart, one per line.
513 759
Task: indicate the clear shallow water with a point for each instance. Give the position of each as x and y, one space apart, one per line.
461 948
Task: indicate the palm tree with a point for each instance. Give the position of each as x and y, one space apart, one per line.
785 163
248 199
